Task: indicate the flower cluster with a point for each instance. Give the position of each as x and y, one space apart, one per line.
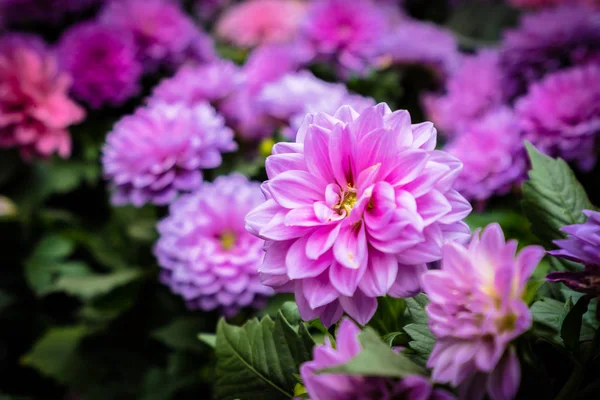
206 255
476 310
335 386
354 209
35 109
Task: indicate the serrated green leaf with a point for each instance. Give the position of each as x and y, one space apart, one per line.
377 359
552 197
259 360
416 308
422 340
89 286
181 334
548 312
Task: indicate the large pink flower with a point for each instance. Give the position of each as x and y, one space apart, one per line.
355 209
35 108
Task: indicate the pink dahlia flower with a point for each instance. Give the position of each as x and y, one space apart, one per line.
349 34
348 387
471 91
160 151
561 114
476 310
255 22
492 154
354 209
35 109
205 253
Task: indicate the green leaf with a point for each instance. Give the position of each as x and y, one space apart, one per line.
181 334
53 247
389 316
209 339
377 359
416 308
259 360
89 286
53 354
548 312
553 197
570 329
422 340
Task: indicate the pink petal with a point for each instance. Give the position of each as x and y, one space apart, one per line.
299 266
360 307
345 280
408 281
321 240
350 249
293 189
380 274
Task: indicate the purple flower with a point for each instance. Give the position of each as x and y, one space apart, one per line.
354 210
560 114
418 42
211 82
491 151
163 32
349 35
296 94
102 62
471 91
206 254
475 311
547 41
160 150
348 387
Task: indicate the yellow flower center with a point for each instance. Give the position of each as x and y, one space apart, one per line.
348 201
507 323
227 240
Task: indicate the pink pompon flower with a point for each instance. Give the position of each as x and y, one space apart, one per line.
35 109
471 91
337 386
492 153
476 310
205 253
350 34
255 22
354 209
560 114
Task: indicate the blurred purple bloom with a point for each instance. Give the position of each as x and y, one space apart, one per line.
205 253
102 62
492 154
547 41
560 114
476 309
296 94
355 209
211 82
425 43
473 90
349 35
160 150
348 387
164 33
206 10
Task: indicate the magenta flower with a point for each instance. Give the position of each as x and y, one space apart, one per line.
255 22
164 33
35 109
352 36
348 387
160 151
354 209
492 154
471 91
561 114
476 310
103 63
206 255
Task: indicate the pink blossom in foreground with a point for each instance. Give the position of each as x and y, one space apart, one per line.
35 108
476 310
354 209
255 22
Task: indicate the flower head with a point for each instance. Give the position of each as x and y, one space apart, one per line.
336 386
583 244
354 209
350 35
476 309
160 150
255 22
561 114
103 63
164 33
35 109
471 91
547 41
205 253
491 151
